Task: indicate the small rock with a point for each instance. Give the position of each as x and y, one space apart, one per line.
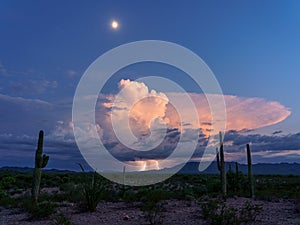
125 217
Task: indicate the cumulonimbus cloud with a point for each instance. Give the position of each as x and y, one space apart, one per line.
242 112
140 107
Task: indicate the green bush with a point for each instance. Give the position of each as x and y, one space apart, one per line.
42 210
216 212
61 219
214 186
7 182
130 196
24 180
6 201
249 212
153 206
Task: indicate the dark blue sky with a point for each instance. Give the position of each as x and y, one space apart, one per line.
253 48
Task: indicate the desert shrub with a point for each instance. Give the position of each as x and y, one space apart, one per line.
66 178
51 180
7 182
153 206
216 212
277 186
41 210
66 187
200 190
61 219
24 181
93 190
6 201
231 181
213 185
185 194
236 182
141 193
70 192
111 195
249 212
130 196
75 195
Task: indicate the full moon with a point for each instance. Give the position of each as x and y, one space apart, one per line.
114 25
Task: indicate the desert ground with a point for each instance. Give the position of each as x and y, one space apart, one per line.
175 212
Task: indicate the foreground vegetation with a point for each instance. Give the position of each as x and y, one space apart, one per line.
39 194
85 190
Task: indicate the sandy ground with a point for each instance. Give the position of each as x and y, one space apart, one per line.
177 212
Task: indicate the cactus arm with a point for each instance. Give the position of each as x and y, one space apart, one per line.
250 174
45 161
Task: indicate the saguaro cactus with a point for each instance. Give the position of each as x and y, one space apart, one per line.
123 186
250 175
40 162
237 180
237 170
221 166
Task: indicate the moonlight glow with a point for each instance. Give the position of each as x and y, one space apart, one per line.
114 24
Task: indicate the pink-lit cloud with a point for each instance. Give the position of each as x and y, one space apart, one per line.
140 109
145 105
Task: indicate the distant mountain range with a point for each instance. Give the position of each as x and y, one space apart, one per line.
29 169
260 168
192 168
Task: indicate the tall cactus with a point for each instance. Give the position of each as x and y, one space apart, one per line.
123 186
236 170
40 162
221 166
250 174
237 179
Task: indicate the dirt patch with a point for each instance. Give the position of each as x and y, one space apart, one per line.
177 212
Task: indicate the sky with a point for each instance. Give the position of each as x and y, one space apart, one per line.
252 47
